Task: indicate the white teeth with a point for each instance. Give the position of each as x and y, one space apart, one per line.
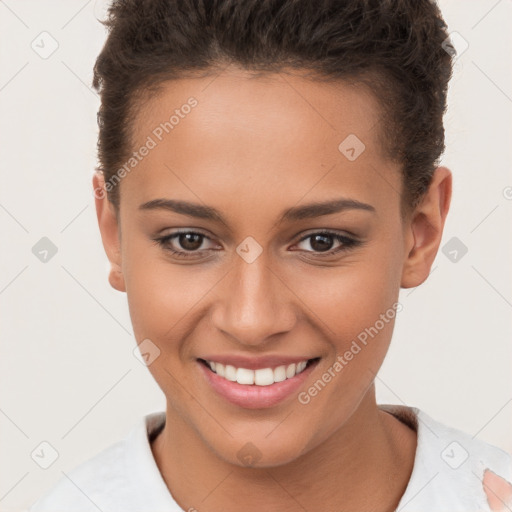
230 373
244 376
260 377
290 371
301 366
264 377
280 374
220 370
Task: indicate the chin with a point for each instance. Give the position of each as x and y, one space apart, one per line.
258 452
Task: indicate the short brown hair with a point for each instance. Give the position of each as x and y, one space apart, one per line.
395 47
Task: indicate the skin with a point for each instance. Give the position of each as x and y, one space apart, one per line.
498 492
252 148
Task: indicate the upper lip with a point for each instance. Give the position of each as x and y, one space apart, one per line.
254 363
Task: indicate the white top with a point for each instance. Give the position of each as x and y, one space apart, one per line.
447 474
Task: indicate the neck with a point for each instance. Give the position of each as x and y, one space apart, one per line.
372 451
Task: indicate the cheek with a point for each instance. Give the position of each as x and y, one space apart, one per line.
161 294
358 307
350 298
162 304
162 300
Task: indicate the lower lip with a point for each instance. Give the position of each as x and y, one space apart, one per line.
252 396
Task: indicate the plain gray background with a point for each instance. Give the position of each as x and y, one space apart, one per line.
69 376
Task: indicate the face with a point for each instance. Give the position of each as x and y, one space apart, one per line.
251 239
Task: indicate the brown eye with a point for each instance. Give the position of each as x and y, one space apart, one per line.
190 241
327 243
321 242
187 244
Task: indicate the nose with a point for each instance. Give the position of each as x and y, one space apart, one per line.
254 303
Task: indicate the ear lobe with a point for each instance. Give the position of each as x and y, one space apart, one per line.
425 229
109 230
116 278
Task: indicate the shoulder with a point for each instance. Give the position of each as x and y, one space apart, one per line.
449 467
123 477
86 486
461 452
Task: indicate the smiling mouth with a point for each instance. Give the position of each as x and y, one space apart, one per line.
260 376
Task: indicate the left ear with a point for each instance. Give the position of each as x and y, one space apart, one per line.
425 229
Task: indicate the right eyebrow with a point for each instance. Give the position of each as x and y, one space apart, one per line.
185 208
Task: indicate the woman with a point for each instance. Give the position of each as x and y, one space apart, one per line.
269 180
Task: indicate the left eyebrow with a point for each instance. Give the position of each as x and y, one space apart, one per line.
312 210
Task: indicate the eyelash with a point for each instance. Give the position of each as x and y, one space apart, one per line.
347 243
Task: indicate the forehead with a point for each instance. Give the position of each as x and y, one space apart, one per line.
236 137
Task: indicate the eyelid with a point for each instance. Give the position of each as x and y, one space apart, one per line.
177 231
346 242
327 231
